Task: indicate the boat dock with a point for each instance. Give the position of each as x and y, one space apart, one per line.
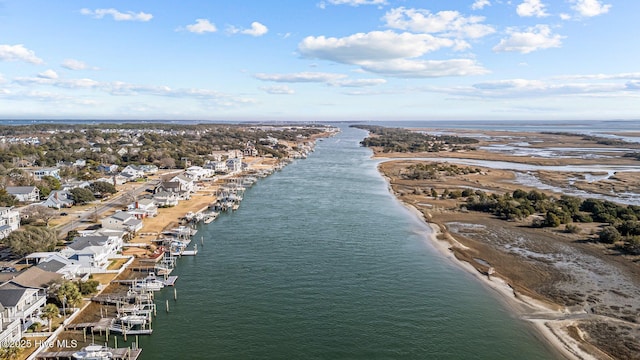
117 354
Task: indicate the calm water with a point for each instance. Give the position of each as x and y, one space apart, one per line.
321 262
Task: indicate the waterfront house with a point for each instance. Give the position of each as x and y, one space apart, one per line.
35 277
24 193
9 221
186 184
19 308
234 165
219 167
55 262
122 220
166 198
59 199
197 172
92 253
143 208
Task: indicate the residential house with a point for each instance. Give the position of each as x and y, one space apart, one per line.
250 150
59 199
132 172
186 184
166 198
75 184
122 220
9 221
234 165
143 208
42 172
91 253
107 168
24 193
218 167
197 172
55 262
19 308
149 169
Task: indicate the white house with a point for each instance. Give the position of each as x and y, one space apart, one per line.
122 220
59 199
19 308
42 172
217 166
9 221
186 184
166 198
132 172
143 208
234 165
24 193
198 172
92 253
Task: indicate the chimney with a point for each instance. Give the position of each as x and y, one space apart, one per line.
137 205
55 195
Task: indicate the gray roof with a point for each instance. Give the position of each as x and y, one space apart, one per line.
51 265
11 293
82 242
20 189
121 215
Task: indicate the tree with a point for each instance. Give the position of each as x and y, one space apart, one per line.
88 287
82 196
69 294
6 200
552 220
10 352
609 235
103 187
31 239
37 213
49 312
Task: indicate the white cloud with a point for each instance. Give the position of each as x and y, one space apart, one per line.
117 15
622 76
73 64
201 26
257 29
301 77
590 8
48 74
480 4
354 2
372 46
119 88
533 39
404 68
278 90
445 23
530 8
19 53
358 82
564 16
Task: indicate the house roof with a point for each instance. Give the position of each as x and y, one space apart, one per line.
11 293
146 202
121 215
35 277
13 190
82 242
51 265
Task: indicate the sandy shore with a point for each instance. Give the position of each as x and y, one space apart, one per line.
582 297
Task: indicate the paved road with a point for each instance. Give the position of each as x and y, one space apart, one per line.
119 201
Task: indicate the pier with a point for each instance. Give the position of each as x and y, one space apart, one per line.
116 354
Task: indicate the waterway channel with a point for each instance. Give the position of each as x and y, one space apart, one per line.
322 262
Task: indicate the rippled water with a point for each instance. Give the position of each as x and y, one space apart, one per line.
321 262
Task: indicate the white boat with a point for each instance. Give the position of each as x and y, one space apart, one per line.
133 319
150 283
93 352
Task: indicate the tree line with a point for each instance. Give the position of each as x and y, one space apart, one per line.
403 140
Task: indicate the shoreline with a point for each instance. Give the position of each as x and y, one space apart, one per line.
542 318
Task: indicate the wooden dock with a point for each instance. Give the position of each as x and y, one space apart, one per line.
118 354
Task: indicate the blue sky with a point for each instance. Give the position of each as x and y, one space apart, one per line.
320 60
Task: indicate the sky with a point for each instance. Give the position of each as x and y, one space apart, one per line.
298 60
